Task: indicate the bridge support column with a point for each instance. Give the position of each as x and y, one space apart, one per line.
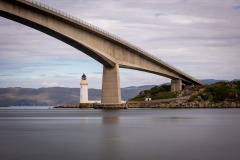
111 93
176 85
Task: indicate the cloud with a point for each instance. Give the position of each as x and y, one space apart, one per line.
159 14
75 73
51 84
97 73
42 75
236 7
191 19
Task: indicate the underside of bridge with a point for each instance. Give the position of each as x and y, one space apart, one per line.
109 50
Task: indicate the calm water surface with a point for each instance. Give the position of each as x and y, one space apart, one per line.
142 134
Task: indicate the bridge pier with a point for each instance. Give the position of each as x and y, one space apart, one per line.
111 93
176 85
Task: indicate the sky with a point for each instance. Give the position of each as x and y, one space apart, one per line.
199 37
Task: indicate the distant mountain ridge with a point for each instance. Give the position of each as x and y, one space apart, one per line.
211 81
16 96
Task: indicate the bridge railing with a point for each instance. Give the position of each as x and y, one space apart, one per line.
112 36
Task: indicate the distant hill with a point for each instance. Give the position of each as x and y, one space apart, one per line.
155 93
17 96
40 97
211 81
132 91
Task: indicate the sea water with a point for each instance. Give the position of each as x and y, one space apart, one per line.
43 133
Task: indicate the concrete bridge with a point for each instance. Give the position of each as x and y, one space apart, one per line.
109 50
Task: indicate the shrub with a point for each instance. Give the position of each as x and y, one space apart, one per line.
139 97
157 89
164 95
237 83
220 92
204 96
192 98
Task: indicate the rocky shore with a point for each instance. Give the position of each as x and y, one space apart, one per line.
184 104
177 103
93 105
78 105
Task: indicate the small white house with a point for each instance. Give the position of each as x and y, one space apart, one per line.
148 99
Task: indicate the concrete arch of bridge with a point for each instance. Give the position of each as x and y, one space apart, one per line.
102 46
62 37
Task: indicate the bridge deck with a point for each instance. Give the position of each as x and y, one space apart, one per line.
107 35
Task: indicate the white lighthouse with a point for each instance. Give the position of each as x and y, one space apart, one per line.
84 89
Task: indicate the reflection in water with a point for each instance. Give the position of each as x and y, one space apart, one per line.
111 134
110 120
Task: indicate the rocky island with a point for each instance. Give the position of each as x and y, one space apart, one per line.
217 95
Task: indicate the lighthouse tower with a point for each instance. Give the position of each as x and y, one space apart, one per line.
84 89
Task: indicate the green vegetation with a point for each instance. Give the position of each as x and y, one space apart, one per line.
139 97
214 93
164 95
157 89
219 92
157 92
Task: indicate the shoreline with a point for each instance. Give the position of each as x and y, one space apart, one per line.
170 104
